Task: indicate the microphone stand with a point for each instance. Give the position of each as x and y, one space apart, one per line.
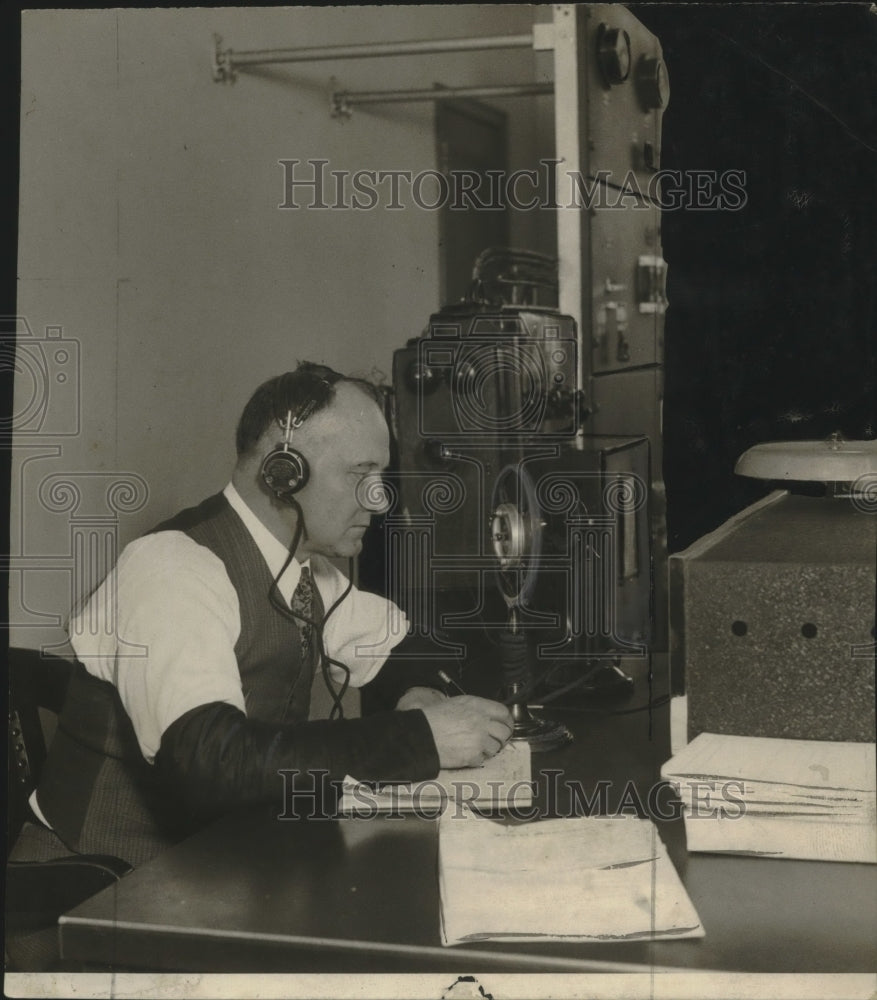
541 734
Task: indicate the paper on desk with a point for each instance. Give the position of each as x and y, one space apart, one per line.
818 764
774 836
584 879
502 780
780 777
810 799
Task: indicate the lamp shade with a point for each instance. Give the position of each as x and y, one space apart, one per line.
831 460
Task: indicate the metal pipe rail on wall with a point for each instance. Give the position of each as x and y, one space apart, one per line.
344 101
227 61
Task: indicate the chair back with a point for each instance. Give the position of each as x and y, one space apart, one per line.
36 681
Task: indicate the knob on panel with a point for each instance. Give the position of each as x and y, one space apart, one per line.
613 54
652 83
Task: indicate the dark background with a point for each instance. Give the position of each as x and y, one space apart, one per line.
771 332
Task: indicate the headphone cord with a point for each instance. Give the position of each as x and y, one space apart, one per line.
337 710
277 601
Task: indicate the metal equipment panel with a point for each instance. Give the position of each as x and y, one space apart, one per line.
628 276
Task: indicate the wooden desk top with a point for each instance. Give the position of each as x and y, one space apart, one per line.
258 894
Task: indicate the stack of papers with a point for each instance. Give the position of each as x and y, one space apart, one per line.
809 799
502 781
580 879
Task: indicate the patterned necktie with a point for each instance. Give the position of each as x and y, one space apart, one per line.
303 604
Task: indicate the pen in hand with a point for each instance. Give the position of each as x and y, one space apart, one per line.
447 679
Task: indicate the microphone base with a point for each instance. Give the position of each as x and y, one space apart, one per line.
541 734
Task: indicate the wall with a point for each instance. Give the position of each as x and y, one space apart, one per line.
150 234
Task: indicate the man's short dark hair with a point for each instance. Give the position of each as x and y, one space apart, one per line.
310 386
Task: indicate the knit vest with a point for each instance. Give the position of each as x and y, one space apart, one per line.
97 791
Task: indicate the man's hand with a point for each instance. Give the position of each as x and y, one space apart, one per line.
419 697
467 730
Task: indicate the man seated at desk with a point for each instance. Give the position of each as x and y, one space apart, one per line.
196 692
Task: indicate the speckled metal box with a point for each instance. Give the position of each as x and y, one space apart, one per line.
772 622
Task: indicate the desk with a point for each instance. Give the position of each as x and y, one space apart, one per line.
252 893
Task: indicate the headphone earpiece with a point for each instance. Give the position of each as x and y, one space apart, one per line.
285 472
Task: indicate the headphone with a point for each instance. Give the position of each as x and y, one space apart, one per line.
285 471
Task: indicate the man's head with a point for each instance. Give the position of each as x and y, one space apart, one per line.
344 440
